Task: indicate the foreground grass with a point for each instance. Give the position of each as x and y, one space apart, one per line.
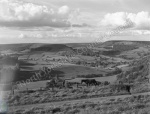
130 105
46 96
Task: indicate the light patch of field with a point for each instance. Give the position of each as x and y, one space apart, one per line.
32 85
87 58
122 66
119 59
100 49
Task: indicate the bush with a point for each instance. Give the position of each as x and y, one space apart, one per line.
56 110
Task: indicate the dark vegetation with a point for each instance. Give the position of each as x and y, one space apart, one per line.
90 76
52 48
111 52
41 74
123 47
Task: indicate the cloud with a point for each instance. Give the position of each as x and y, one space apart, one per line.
147 32
21 14
140 32
139 21
32 36
22 36
63 10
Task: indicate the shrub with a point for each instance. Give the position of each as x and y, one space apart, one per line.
56 110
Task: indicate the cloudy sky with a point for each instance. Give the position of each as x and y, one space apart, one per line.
67 21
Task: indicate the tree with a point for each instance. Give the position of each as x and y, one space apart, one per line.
51 84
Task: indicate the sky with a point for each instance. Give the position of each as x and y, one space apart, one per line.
73 21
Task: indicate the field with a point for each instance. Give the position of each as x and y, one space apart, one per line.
110 78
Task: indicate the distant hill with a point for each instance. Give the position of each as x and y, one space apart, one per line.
35 47
125 42
52 48
14 47
66 47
